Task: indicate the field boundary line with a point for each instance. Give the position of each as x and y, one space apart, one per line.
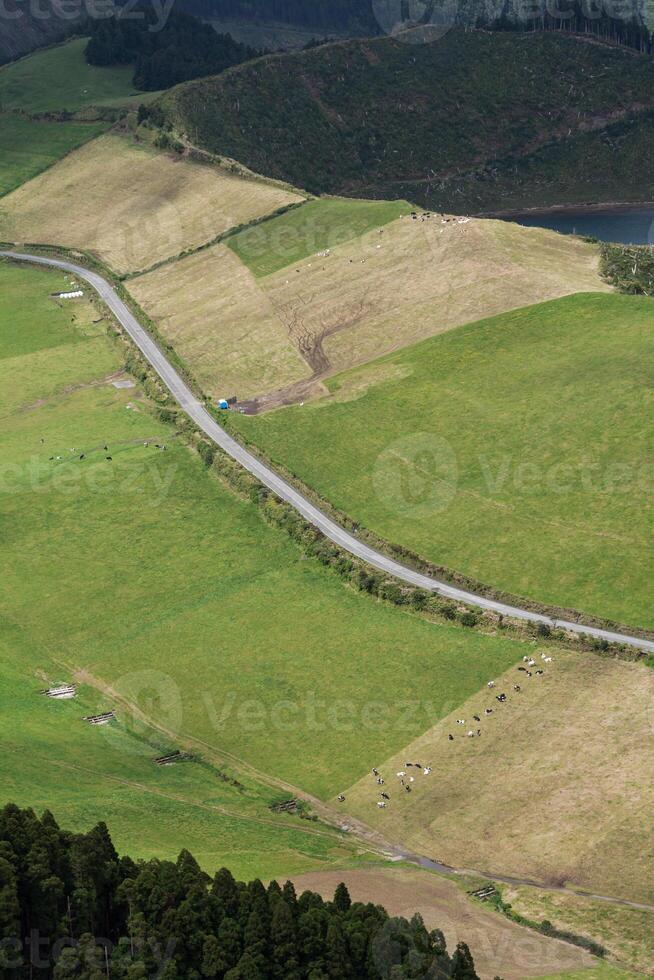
198 413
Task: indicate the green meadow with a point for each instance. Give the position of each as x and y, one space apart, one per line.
29 146
59 78
164 594
313 227
516 450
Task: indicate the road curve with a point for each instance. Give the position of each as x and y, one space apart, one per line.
196 411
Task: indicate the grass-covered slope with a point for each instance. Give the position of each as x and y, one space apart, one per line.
59 78
27 147
154 580
55 373
514 450
557 787
383 118
322 288
139 205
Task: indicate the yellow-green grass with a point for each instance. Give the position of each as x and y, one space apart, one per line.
558 787
133 205
416 278
603 971
515 450
212 309
626 933
319 225
389 284
59 78
146 562
52 758
27 147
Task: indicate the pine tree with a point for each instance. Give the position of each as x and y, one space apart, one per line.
342 899
463 966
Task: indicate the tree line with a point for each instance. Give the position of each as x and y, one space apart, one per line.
70 907
184 48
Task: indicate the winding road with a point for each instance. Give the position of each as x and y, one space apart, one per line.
198 413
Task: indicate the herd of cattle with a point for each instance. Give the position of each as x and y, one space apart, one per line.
405 779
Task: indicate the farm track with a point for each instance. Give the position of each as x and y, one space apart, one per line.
348 542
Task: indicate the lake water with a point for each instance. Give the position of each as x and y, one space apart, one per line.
629 226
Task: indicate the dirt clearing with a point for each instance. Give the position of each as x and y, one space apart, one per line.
499 947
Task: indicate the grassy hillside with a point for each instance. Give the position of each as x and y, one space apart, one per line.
59 78
28 147
557 787
512 449
56 375
299 313
318 226
26 27
139 205
150 565
385 119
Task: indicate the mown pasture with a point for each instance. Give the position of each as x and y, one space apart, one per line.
149 564
514 450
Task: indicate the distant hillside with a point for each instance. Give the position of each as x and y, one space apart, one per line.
474 121
23 31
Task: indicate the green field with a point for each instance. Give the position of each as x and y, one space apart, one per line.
514 449
151 575
59 78
314 227
28 147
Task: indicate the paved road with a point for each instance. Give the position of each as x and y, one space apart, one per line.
196 410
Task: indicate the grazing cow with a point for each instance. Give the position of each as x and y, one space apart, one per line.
109 458
491 684
52 457
341 798
488 711
476 717
451 738
471 734
460 721
418 765
523 669
83 456
531 663
408 789
105 448
385 796
501 698
478 732
426 770
539 672
525 659
400 774
381 803
516 687
528 673
548 660
375 772
380 781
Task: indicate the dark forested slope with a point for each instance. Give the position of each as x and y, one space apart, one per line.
479 120
70 907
